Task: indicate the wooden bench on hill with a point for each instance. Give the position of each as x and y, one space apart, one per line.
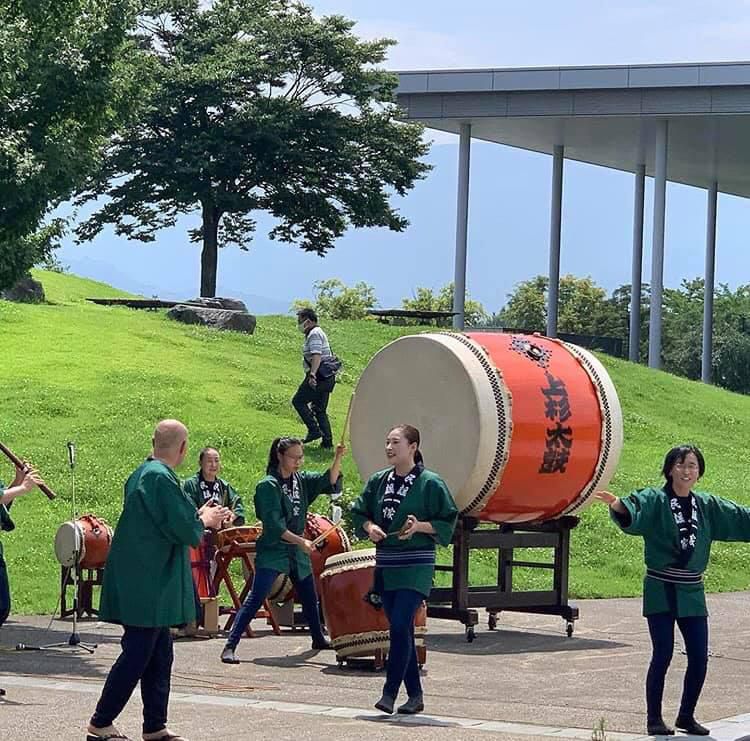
136 303
422 317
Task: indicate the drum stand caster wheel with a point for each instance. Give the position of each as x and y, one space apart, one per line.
492 621
470 635
569 627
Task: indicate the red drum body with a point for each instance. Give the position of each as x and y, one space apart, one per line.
356 627
231 536
334 543
520 427
90 536
200 565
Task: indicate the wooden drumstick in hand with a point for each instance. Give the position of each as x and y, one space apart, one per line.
347 419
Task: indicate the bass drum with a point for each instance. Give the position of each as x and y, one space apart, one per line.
89 536
520 427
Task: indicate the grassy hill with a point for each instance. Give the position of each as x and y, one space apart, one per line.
103 376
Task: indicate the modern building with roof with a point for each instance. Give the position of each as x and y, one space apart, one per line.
688 123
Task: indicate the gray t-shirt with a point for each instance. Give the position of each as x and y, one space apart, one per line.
316 343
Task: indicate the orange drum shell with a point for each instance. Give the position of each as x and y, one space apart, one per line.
525 492
356 627
334 543
200 568
97 538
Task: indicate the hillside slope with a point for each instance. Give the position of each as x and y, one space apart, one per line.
102 376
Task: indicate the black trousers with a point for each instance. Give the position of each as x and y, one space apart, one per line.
146 657
312 406
695 634
4 591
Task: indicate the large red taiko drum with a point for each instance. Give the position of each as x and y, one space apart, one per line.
520 427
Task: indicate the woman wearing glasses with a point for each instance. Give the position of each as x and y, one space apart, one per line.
282 499
678 526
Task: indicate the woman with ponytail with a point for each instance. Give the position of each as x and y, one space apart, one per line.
405 510
282 499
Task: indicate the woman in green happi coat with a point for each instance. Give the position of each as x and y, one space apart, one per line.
678 526
405 510
282 499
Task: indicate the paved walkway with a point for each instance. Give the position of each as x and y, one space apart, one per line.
526 680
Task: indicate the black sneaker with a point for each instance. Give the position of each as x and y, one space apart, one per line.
228 657
323 645
385 704
659 728
312 437
412 706
691 726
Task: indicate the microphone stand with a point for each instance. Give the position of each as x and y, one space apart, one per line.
75 640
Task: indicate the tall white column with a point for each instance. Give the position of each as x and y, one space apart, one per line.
657 255
637 269
708 295
555 227
462 225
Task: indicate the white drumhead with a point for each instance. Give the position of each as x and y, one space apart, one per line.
444 385
69 540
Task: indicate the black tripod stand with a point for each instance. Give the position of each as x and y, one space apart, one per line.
74 641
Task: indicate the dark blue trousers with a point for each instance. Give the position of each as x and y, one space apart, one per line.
400 607
262 583
695 634
146 657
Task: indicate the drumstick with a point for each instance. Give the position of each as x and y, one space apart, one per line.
323 536
347 419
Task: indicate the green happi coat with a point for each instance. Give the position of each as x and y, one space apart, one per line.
428 500
277 513
230 498
651 517
5 521
147 579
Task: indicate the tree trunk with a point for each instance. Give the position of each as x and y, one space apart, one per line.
210 253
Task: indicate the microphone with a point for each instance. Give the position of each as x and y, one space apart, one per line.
71 454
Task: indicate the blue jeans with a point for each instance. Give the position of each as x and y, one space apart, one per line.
146 657
400 607
262 583
4 591
695 634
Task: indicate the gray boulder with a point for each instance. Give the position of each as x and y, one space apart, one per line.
26 290
233 304
237 321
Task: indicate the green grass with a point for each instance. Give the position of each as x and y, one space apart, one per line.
102 376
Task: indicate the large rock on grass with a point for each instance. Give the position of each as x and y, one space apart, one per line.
237 321
26 290
233 304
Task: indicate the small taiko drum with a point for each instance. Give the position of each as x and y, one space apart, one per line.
200 565
89 537
355 626
237 535
334 543
520 427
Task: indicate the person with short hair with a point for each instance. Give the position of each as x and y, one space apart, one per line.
678 526
320 367
405 510
148 586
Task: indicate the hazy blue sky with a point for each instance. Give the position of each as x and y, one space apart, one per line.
509 210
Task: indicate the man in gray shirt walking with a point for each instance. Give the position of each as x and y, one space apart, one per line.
311 399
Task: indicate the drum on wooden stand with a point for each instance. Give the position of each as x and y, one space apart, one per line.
521 427
355 626
89 536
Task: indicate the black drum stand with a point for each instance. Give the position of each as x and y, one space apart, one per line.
460 600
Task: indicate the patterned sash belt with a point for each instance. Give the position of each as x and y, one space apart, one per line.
675 575
390 557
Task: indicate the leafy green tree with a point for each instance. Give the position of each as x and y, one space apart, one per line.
62 87
257 106
335 300
425 299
